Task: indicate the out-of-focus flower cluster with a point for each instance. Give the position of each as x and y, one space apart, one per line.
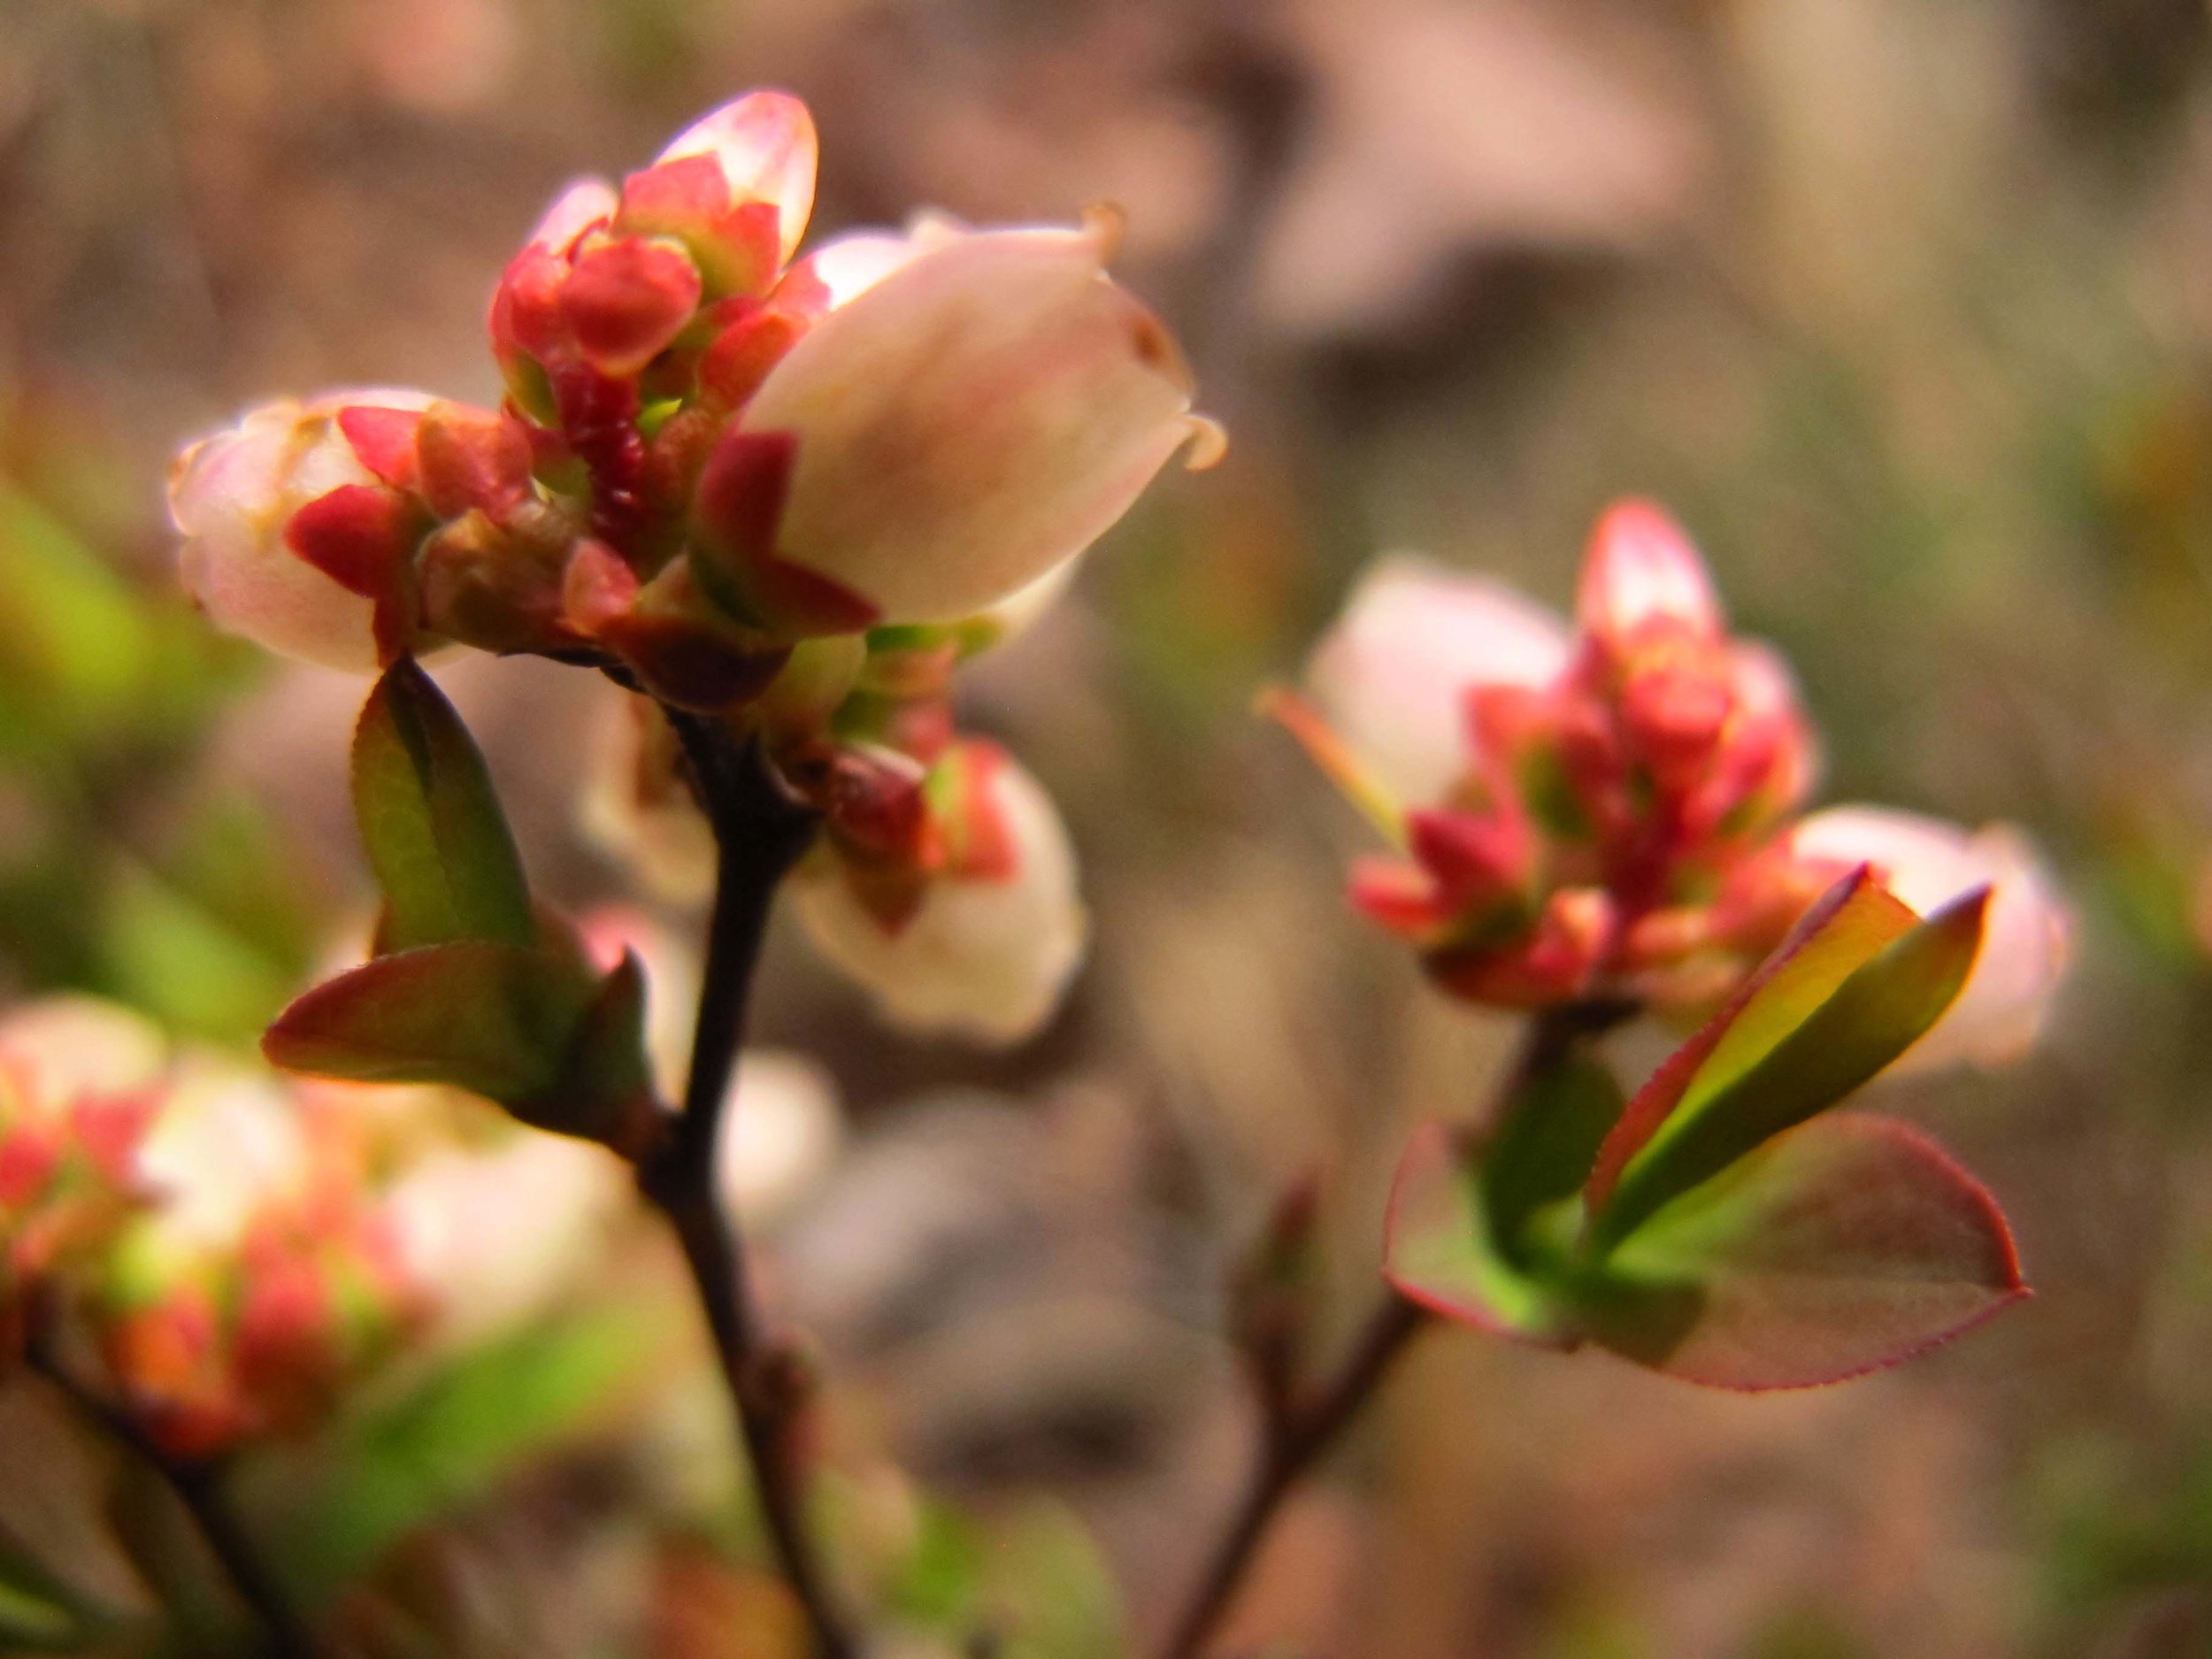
231 1252
785 495
1614 809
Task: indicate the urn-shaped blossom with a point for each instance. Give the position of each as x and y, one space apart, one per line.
973 924
236 494
946 433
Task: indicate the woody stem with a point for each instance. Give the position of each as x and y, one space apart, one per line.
760 832
1297 1435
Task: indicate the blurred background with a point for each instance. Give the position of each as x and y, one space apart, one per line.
1904 305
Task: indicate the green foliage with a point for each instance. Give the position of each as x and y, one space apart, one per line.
1029 1579
471 988
1859 989
1728 1232
533 1028
431 821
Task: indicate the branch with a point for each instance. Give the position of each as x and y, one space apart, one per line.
198 1485
760 831
1295 1436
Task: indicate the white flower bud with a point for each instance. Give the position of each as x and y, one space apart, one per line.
987 953
956 429
233 494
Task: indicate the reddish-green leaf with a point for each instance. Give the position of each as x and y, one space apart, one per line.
1853 990
535 1030
431 821
1439 1249
1850 1243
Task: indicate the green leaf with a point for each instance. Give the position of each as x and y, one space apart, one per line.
431 821
1440 1250
39 1611
1854 988
1850 1243
450 1442
1543 1151
535 1030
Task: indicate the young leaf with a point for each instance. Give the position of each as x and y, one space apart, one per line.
1439 1249
1851 1243
1543 1150
432 822
1850 995
536 1030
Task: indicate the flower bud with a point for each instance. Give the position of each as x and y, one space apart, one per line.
997 930
762 154
234 496
1641 576
945 437
1397 670
2027 938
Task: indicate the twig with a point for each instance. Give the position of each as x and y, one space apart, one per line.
1297 1433
760 832
198 1485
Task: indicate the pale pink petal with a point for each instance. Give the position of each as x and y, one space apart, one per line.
766 144
983 958
969 422
73 1045
231 496
848 266
1392 673
585 202
2025 949
1641 568
779 1134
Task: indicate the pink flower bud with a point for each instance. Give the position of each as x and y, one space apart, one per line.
765 147
1642 574
1416 643
997 931
235 495
945 437
626 301
1927 862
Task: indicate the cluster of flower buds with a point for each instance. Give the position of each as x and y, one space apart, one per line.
707 454
233 1252
1610 811
786 494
